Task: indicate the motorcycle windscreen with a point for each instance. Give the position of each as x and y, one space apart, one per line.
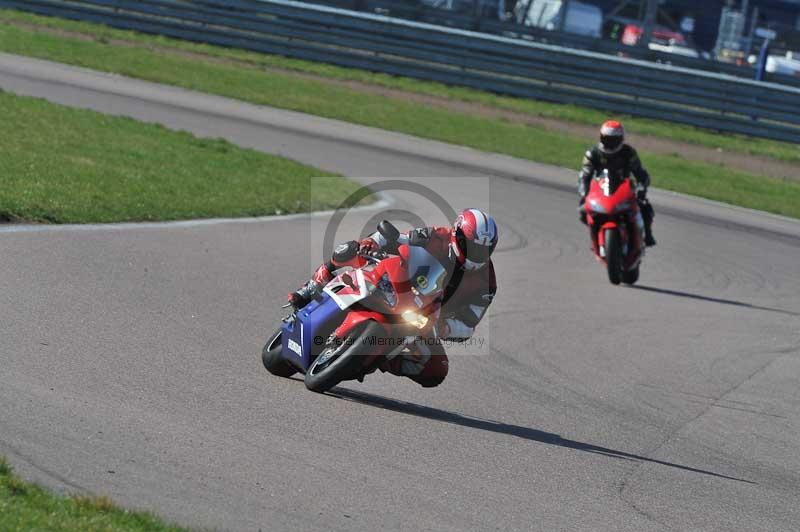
426 274
305 336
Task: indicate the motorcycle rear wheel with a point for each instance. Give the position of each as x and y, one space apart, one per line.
345 361
613 256
272 359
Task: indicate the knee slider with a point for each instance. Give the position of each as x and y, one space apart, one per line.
429 382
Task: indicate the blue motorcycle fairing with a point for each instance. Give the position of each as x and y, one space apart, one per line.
304 334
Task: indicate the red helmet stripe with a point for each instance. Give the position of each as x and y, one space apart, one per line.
474 237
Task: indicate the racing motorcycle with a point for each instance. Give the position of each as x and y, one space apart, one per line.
615 227
362 317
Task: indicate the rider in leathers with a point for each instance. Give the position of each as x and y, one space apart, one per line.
621 161
466 248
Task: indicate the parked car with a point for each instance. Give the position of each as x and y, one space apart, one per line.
674 49
579 18
664 39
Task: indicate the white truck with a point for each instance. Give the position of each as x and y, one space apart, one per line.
784 64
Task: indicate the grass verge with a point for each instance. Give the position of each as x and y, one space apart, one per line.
580 115
25 506
64 165
167 61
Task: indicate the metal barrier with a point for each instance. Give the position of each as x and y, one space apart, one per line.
458 57
465 15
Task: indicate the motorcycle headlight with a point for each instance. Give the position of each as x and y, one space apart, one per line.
595 206
624 206
386 288
417 320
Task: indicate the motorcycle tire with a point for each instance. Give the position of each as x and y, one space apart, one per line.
345 361
631 276
614 256
272 359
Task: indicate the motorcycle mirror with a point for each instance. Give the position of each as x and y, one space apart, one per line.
388 231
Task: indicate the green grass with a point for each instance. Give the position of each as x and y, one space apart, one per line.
25 506
252 83
65 165
571 113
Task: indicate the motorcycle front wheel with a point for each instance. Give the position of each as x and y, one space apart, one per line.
631 276
272 359
613 255
343 360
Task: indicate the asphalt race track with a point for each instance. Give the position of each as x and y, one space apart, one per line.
129 356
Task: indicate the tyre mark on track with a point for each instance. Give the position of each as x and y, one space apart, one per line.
732 389
700 399
518 241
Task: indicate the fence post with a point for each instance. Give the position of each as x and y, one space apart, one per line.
649 22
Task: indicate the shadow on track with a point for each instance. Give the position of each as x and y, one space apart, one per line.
526 433
698 297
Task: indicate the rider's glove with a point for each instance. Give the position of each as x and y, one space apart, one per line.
368 246
641 194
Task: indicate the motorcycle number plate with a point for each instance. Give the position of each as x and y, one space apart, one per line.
605 184
294 346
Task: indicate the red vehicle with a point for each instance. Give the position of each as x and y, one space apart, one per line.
632 34
615 227
363 317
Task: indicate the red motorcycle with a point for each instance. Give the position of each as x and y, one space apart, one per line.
615 227
363 317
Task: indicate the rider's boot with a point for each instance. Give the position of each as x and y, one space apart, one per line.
648 214
303 295
344 255
649 241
